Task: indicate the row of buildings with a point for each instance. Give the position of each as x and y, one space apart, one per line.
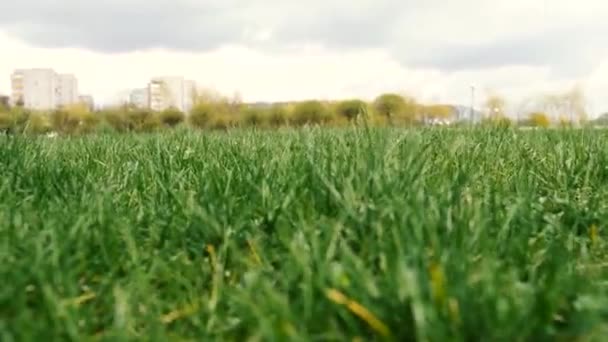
45 89
165 92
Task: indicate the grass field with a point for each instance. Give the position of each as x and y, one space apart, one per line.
305 235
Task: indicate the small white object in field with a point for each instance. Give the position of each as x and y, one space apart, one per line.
51 135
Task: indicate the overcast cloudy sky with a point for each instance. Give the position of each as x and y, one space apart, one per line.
292 49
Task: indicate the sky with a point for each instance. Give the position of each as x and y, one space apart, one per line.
276 50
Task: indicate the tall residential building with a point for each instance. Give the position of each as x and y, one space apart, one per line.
140 98
67 90
34 88
43 89
170 92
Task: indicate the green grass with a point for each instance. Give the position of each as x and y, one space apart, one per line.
436 234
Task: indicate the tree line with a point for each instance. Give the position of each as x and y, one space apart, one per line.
216 112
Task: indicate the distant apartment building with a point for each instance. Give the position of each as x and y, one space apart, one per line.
43 89
140 98
34 88
171 92
67 90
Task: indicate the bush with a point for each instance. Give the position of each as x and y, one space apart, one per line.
64 122
74 119
539 119
223 121
142 120
254 117
116 119
19 118
6 121
277 116
310 112
38 124
171 117
89 122
201 115
351 109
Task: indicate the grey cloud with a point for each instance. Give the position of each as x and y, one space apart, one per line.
567 52
411 30
118 26
124 25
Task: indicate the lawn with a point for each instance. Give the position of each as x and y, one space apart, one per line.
305 235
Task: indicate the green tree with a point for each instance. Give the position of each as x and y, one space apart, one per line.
389 105
310 112
171 117
351 109
398 108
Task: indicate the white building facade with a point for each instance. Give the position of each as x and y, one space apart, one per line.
43 89
67 90
140 98
171 92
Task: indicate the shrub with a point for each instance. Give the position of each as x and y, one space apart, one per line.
254 117
201 115
6 121
221 122
142 120
310 112
74 119
19 119
65 122
539 119
277 116
116 119
351 109
38 124
89 122
171 117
